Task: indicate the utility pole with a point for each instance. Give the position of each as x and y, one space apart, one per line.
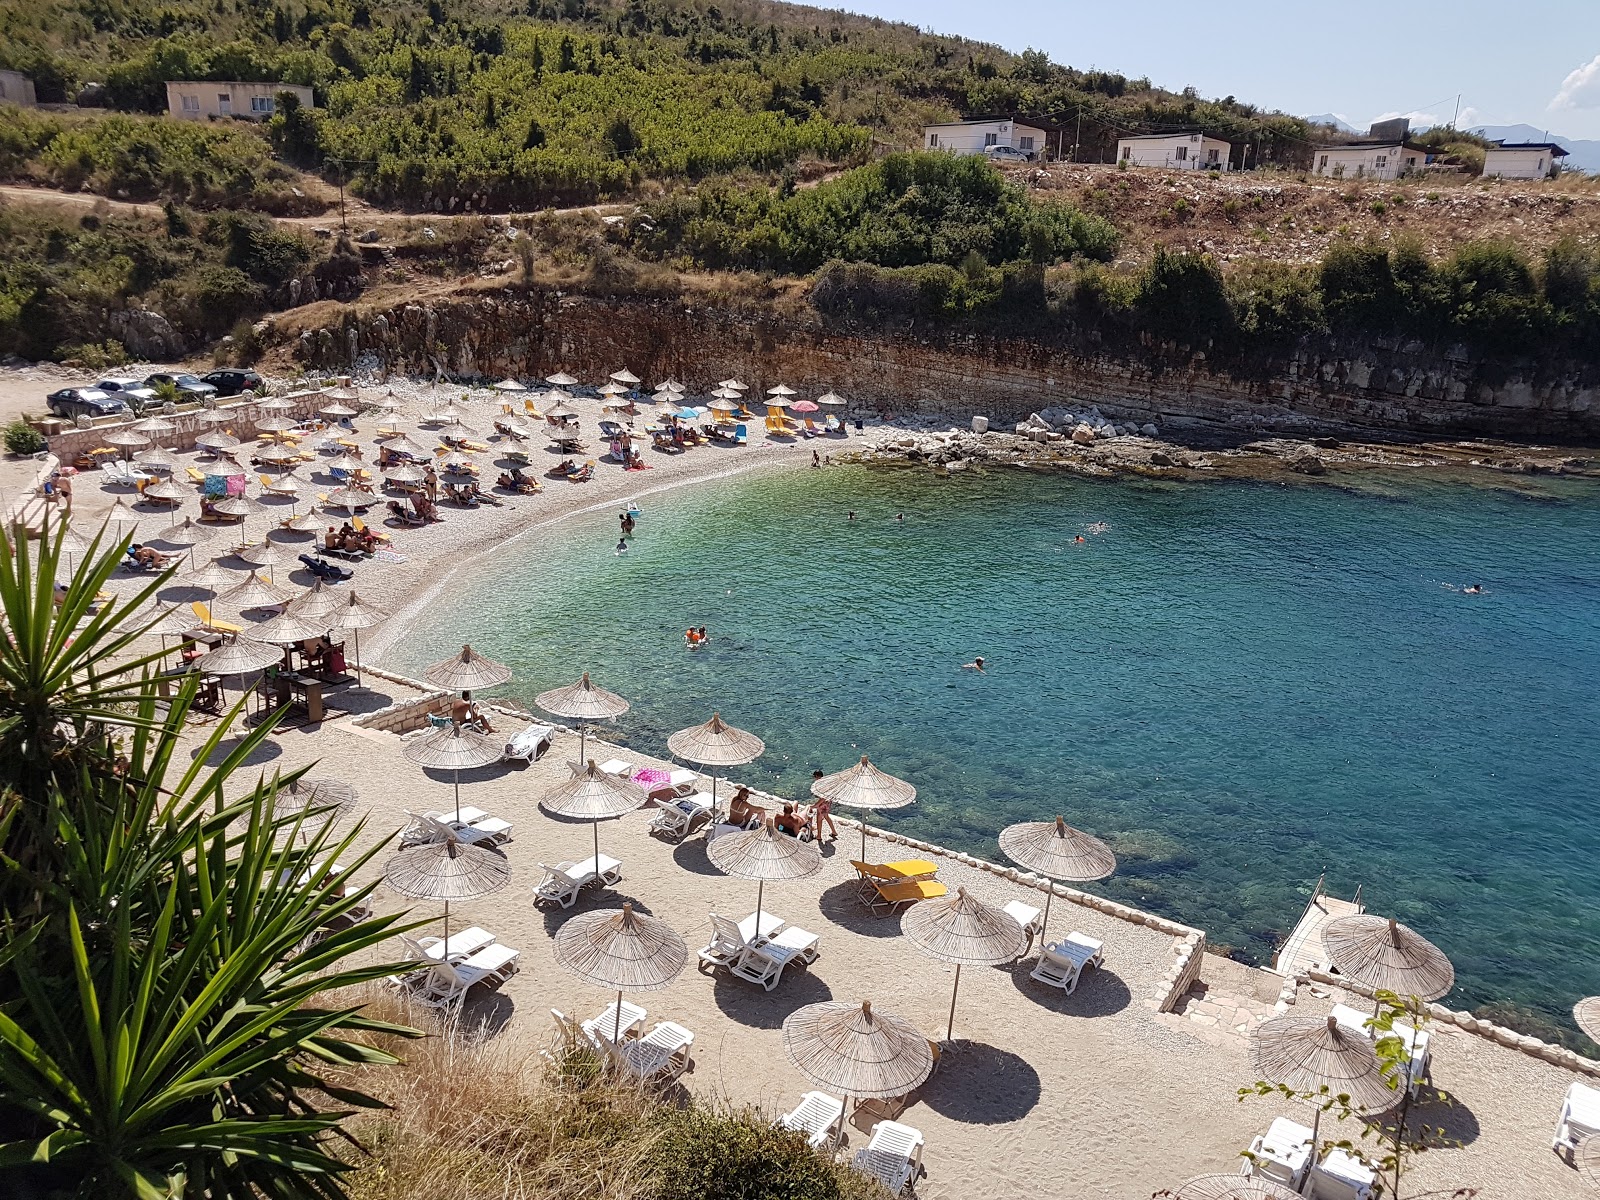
1077 134
344 165
1457 113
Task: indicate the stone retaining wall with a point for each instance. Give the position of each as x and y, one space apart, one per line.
242 417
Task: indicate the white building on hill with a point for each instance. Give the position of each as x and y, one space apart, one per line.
17 88
1385 153
1181 151
979 134
192 100
1523 160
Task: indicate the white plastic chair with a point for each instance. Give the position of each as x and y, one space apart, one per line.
562 882
676 816
1061 964
461 945
729 941
599 1028
893 1155
817 1116
1028 917
1579 1119
764 964
1281 1154
1340 1177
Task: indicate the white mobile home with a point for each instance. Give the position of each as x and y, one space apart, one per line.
978 135
191 100
1182 151
1368 160
17 88
1523 160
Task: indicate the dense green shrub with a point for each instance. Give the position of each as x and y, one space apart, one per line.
702 1154
1180 296
22 438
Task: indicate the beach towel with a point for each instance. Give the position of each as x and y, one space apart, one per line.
651 778
389 556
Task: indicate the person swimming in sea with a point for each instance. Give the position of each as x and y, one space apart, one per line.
622 545
1080 540
975 665
1475 590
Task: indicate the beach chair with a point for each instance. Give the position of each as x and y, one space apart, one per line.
286 488
204 613
1028 917
884 887
329 572
893 1155
526 745
445 985
764 964
1281 1154
476 818
428 828
614 766
676 818
1579 1119
460 945
659 1057
817 1116
195 476
125 474
562 882
598 1029
741 435
1062 963
1340 1176
1418 1045
730 940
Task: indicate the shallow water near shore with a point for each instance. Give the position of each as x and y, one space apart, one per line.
1237 685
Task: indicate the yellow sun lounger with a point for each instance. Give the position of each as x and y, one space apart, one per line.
885 886
204 613
195 476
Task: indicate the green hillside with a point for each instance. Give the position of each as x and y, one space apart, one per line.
559 101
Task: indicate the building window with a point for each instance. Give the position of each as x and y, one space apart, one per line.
1025 143
262 104
1380 161
933 141
1322 163
1211 156
191 104
991 139
1181 154
1125 152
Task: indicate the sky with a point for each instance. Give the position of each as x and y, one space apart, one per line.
1537 63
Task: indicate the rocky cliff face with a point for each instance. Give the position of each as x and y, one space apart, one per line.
1319 384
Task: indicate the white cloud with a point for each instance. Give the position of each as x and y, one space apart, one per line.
1581 89
1468 118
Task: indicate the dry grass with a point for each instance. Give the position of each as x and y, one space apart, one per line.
478 1120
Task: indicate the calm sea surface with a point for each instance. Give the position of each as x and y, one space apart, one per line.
1237 685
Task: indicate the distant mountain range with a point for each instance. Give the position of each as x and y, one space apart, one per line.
1581 155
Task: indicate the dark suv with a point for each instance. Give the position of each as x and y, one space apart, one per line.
231 382
77 402
191 386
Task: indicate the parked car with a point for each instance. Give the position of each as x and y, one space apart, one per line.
77 402
232 382
119 383
1008 153
189 386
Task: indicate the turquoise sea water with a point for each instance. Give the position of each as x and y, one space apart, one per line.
1237 685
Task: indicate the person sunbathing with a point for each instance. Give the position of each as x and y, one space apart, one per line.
789 821
466 713
741 812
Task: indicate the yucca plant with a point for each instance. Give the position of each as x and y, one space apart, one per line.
171 952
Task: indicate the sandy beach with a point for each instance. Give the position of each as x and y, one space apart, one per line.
1096 1094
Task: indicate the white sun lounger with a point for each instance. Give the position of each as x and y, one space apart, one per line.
460 945
729 941
563 881
660 1056
1340 1176
1580 1118
528 744
1417 1044
445 985
893 1155
764 964
599 1028
426 828
475 825
617 766
1281 1154
124 474
817 1116
1062 963
676 817
1028 917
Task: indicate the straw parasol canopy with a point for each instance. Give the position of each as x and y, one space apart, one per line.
625 376
447 870
237 655
153 426
288 628
613 389
212 576
1586 1013
264 554
236 506
256 592
277 453
276 404
217 440
509 385
560 379
962 929
164 490
350 497
352 616
319 792
274 425
777 402
121 521
716 744
763 854
457 462
864 786
781 390
345 462
582 702
404 474
1057 850
855 1050
187 533
734 385
1587 1159
1230 1187
560 411
623 950
1382 953
453 748
337 411
465 671
831 400
307 522
723 405
316 601
159 619
594 795
344 395
127 438
157 456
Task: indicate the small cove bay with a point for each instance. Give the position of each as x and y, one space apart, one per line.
1236 685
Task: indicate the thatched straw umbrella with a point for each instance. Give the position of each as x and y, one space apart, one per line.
734 385
625 376
1313 1054
722 404
159 458
255 592
212 577
864 786
962 929
316 601
187 534
164 490
154 426
404 473
623 951
1586 1013
831 400
126 439
265 553
855 1051
323 798
308 522
1057 850
454 748
350 498
238 655
594 795
274 425
275 404
582 702
345 462
352 616
405 445
560 379
288 629
781 390
216 440
465 671
763 854
1587 1159
277 453
1382 953
447 870
121 521
1230 1187
337 411
236 506
716 744
509 385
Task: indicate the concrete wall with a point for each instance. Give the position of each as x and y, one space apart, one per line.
228 98
1520 164
1319 384
1164 152
17 88
242 418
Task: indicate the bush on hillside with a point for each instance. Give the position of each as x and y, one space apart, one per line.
23 439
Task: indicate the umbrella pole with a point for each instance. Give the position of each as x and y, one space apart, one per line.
761 887
862 825
596 825
616 1032
356 633
457 774
1316 1125
444 949
583 741
951 1024
1045 921
838 1134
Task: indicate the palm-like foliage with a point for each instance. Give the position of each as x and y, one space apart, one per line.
169 953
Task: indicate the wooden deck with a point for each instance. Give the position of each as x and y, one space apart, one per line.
1304 949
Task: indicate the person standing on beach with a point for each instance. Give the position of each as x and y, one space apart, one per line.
822 810
430 480
816 460
627 524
